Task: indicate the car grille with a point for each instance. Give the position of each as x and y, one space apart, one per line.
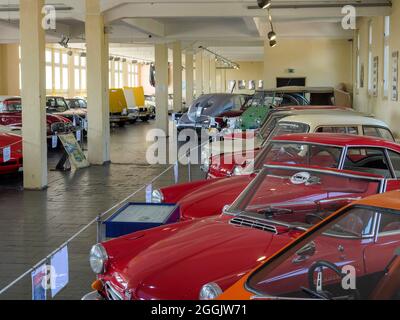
112 293
254 224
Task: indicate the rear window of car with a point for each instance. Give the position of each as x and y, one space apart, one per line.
378 132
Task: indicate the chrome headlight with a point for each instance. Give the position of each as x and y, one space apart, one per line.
98 259
227 131
210 291
237 171
206 165
205 155
157 196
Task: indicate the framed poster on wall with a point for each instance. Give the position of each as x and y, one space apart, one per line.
395 76
375 76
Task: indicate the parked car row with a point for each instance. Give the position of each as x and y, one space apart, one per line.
263 224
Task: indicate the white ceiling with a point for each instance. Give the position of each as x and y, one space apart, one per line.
233 28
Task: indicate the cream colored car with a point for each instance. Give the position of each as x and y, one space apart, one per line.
305 121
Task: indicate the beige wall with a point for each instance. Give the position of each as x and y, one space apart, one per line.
324 62
382 107
248 71
9 69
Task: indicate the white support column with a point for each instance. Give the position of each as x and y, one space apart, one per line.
177 65
161 64
206 74
33 93
97 85
189 78
213 76
266 71
199 74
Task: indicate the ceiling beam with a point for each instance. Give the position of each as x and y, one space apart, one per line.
232 9
148 26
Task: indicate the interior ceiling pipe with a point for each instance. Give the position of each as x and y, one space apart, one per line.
323 5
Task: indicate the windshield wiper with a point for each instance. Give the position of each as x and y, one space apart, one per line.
272 211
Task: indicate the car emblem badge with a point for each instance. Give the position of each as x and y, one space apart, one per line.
300 178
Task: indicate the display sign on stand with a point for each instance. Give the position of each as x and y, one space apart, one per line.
140 216
39 283
74 151
59 271
6 154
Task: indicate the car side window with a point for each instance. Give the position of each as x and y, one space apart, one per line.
395 160
331 129
378 132
368 160
339 130
389 224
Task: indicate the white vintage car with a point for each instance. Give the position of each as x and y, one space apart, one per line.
301 121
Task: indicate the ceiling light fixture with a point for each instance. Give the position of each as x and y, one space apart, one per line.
271 35
264 4
220 59
64 42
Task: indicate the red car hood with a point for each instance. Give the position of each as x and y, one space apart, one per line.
50 118
221 253
210 199
7 138
223 164
53 118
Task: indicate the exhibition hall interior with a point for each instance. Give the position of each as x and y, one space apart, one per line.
199 150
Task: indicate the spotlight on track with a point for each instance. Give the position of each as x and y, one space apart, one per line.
271 36
264 4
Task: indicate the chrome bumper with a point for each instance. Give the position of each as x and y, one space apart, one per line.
92 296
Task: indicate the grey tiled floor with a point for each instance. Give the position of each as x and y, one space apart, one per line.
33 223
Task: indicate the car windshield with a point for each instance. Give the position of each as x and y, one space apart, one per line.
356 255
293 153
269 125
299 196
13 106
283 128
261 99
56 105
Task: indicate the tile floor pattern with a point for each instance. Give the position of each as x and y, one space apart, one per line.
33 223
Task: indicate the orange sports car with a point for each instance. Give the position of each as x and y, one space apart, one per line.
354 254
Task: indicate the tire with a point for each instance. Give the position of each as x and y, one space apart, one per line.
145 119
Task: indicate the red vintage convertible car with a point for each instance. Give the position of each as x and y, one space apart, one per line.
344 152
361 241
279 205
14 141
11 115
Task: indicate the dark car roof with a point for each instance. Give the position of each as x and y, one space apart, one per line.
338 140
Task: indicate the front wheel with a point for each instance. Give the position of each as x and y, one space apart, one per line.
145 119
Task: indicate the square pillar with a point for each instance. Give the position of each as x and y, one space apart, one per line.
177 72
206 74
97 85
33 93
189 78
199 74
213 76
161 65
